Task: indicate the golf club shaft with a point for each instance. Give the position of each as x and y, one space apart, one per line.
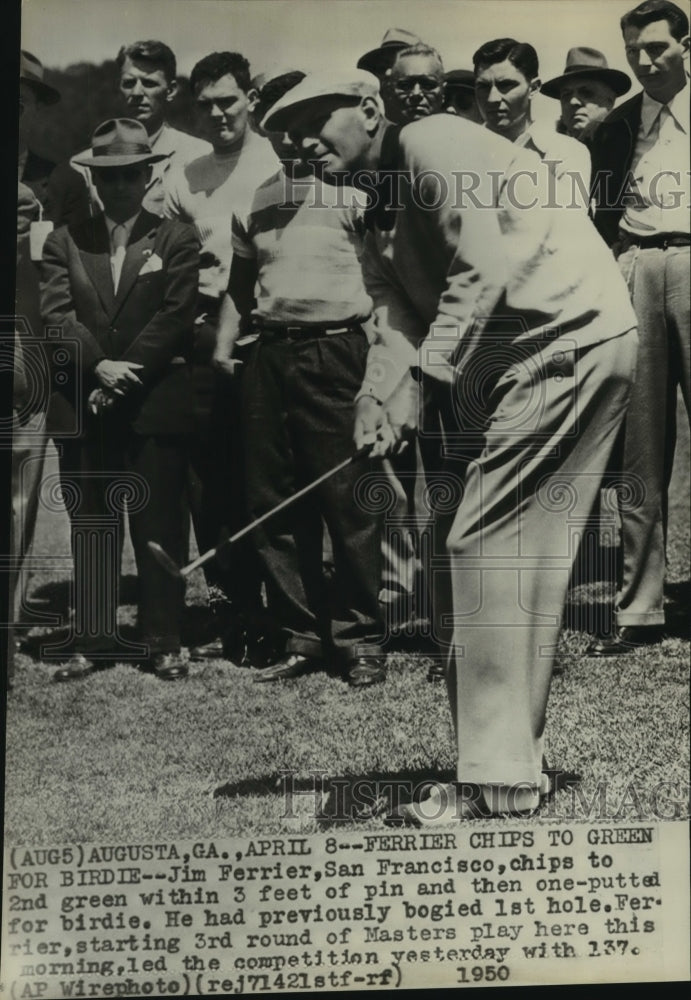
206 556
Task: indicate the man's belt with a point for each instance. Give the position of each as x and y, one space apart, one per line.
279 331
658 241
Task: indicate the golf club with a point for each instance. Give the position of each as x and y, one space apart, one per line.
164 560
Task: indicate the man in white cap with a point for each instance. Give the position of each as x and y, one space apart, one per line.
522 319
122 288
587 90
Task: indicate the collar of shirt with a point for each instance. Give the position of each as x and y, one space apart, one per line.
128 226
153 139
678 108
533 138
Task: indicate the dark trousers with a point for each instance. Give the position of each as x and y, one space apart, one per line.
101 477
215 481
298 418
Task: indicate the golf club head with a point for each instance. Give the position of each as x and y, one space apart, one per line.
164 560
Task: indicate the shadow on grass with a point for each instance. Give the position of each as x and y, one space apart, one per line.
677 605
351 798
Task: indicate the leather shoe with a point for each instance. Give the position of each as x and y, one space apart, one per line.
75 669
292 665
436 672
625 639
168 666
208 651
366 671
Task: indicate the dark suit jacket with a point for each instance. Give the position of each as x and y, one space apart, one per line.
612 148
67 201
149 320
36 175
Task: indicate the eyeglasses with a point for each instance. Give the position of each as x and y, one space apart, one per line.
407 84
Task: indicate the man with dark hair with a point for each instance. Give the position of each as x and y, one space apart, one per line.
587 90
147 87
414 86
642 200
205 192
122 288
506 80
523 318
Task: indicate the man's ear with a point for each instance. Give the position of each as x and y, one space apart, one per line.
535 86
371 108
684 42
253 97
171 90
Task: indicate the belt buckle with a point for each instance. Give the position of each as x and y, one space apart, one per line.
293 331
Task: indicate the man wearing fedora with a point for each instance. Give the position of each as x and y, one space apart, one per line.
380 59
642 198
147 85
34 95
122 288
587 90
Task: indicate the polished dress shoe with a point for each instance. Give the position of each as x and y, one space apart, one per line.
625 639
76 669
436 671
366 671
168 666
212 650
292 665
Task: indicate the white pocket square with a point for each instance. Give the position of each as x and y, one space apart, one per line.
154 263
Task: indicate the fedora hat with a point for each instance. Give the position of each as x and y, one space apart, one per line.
31 72
378 60
582 62
119 142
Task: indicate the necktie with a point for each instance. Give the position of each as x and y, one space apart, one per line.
118 239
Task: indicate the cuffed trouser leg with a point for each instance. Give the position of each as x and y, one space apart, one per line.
550 428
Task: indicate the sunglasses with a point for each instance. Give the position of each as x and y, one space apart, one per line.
112 174
427 84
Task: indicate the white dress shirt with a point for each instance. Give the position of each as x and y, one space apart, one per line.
661 192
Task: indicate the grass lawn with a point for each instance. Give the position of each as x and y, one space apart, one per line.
123 757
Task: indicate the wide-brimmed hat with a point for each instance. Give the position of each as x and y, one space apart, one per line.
31 71
119 142
582 62
356 84
378 60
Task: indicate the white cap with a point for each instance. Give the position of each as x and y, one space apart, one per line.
356 83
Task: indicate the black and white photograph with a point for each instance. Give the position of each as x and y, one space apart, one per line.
348 536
